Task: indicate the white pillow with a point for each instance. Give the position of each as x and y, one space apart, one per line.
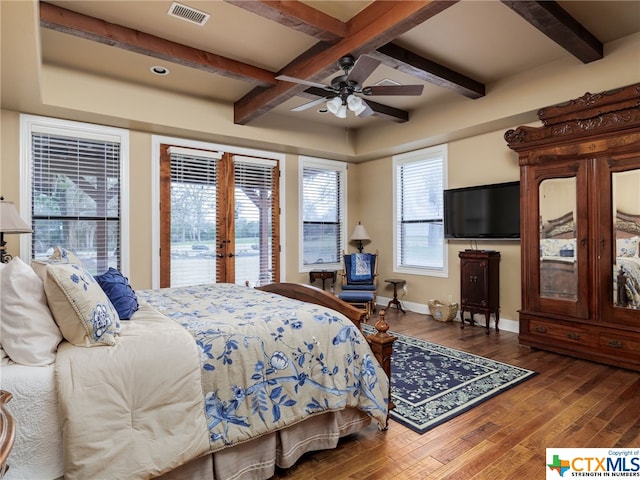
28 331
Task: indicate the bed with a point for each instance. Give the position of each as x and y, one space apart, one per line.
210 382
558 269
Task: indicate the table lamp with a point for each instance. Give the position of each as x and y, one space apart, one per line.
359 234
10 222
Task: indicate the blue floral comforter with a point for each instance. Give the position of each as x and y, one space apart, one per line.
268 361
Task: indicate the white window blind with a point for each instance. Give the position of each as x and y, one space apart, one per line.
323 212
419 234
255 184
193 217
76 197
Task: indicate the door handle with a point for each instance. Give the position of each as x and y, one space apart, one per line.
230 255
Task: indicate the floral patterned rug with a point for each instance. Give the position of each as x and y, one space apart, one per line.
431 384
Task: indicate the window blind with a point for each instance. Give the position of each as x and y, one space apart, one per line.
255 188
76 198
194 178
322 215
420 211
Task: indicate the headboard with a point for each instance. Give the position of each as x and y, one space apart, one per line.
627 224
561 227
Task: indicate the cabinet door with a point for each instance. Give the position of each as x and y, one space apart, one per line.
555 244
618 237
474 282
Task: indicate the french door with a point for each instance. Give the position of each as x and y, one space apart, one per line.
219 218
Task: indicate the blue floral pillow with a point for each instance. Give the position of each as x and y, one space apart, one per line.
117 288
627 247
83 312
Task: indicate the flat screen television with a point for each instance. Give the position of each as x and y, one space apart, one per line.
489 212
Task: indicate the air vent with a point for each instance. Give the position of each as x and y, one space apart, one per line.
187 13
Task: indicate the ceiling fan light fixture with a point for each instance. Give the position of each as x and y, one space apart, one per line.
342 112
355 104
334 105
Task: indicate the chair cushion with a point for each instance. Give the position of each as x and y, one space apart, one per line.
355 296
363 287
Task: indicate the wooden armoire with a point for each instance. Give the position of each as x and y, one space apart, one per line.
580 227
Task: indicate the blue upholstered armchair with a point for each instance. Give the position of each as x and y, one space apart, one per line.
360 280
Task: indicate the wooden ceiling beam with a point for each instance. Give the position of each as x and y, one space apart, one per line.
410 63
373 27
298 16
72 23
552 20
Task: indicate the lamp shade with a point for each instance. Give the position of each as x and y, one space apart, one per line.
10 221
360 233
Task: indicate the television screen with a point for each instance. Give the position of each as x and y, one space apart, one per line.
485 211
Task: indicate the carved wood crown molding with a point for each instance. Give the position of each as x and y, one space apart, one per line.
591 113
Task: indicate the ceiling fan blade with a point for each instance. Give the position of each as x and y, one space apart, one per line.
362 69
308 105
393 90
286 78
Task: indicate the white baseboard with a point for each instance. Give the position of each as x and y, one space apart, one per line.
506 324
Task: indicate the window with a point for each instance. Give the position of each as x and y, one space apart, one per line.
419 180
76 192
322 203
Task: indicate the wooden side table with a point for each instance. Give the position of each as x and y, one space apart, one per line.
322 275
394 301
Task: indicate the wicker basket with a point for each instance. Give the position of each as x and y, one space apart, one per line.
441 311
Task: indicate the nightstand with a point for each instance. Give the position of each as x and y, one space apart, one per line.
322 275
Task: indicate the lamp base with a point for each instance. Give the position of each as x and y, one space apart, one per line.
360 246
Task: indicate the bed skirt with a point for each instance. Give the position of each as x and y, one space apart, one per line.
257 459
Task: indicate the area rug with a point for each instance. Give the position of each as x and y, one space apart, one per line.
431 383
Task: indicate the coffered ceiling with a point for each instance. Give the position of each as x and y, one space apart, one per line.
452 48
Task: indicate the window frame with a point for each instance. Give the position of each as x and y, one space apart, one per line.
341 168
34 123
430 153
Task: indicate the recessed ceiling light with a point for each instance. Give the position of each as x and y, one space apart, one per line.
159 70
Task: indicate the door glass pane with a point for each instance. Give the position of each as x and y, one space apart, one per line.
193 220
558 252
626 232
253 209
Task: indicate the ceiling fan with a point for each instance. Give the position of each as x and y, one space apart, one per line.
342 93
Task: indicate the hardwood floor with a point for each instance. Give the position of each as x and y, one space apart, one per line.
571 403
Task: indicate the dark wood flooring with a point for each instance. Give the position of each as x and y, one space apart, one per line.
571 403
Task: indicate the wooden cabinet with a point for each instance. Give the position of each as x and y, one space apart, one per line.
480 285
580 226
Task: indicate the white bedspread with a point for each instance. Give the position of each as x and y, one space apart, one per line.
37 451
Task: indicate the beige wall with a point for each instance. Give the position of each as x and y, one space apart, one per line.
472 161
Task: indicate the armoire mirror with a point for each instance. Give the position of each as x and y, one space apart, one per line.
626 233
558 267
